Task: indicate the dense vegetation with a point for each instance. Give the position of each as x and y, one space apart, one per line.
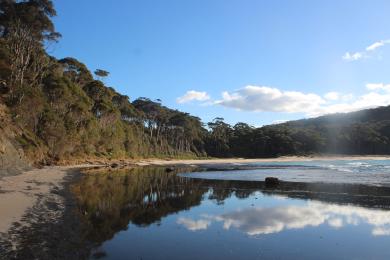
63 111
362 132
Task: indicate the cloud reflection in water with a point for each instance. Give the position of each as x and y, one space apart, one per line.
194 225
263 220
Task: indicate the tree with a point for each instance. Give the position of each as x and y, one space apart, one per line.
27 61
101 74
35 14
219 139
76 71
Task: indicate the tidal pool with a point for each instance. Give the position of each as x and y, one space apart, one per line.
148 213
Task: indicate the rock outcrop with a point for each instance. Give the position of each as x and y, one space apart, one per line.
12 159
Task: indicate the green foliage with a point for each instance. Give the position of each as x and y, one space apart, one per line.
60 106
101 73
76 71
363 132
63 113
36 14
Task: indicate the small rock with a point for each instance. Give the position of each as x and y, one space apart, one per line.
114 165
271 182
169 169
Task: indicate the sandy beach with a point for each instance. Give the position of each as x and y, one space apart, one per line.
20 192
259 160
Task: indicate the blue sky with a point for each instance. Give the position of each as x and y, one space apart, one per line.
250 60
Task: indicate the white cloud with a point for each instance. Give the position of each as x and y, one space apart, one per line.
268 99
353 56
378 86
332 95
194 225
376 45
262 98
193 95
369 100
347 97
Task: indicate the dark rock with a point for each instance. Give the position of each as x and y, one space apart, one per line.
114 165
169 169
4 89
271 182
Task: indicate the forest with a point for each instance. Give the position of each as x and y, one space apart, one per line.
62 111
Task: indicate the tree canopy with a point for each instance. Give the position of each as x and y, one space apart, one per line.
101 73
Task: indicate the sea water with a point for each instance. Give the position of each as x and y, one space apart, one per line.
371 172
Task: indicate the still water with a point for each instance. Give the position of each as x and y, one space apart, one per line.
373 172
148 213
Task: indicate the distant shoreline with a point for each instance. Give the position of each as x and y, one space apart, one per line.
242 160
214 161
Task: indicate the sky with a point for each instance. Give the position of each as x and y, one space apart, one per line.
253 61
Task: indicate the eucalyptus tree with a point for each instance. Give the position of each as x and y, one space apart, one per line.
101 74
218 143
25 26
76 71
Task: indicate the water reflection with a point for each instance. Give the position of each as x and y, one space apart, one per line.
260 221
140 200
194 225
108 201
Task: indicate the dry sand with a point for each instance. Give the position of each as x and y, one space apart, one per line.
20 192
243 161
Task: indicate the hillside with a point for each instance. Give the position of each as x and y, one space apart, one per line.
56 110
379 114
362 132
63 111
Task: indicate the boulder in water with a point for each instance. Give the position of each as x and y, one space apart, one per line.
169 169
271 182
114 165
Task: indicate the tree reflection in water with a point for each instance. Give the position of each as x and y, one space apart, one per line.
108 201
111 199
